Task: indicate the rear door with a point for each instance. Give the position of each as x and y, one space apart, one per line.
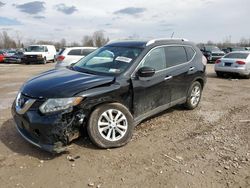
153 92
181 69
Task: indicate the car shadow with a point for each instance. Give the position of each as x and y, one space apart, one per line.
10 137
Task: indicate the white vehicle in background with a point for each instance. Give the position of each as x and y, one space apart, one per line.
234 63
68 56
39 54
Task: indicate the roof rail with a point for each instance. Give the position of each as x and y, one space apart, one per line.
154 40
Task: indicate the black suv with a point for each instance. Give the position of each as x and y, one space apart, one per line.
109 92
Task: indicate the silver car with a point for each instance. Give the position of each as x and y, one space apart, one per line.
234 62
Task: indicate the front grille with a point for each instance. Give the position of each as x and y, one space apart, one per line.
31 56
35 105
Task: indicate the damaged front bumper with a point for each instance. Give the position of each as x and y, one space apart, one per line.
49 132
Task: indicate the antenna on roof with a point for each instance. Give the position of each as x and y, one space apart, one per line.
172 35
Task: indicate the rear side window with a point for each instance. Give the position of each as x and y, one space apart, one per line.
86 52
190 53
61 51
175 55
155 59
75 52
237 55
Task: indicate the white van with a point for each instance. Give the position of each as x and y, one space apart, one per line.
39 54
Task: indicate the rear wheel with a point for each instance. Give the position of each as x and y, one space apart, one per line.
219 74
194 95
248 76
110 125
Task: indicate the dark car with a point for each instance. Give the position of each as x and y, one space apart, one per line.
109 92
17 57
234 49
212 53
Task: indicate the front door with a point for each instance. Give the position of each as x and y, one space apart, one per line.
153 92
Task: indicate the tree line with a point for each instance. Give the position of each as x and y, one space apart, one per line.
97 39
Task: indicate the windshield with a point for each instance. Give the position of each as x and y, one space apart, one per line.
238 49
212 49
111 60
237 55
35 49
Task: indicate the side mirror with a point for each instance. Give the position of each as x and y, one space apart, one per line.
145 72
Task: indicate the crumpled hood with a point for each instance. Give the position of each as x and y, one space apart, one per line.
61 83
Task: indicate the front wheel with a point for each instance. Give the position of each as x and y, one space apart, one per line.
44 60
194 96
110 125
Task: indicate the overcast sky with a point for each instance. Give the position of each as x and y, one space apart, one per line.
196 20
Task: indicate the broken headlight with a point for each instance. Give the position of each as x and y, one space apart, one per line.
59 104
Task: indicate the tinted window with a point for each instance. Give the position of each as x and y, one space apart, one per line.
75 52
86 52
190 53
237 55
175 55
155 59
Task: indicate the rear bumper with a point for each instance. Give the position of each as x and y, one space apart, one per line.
239 70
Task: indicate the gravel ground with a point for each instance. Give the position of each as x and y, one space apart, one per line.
206 147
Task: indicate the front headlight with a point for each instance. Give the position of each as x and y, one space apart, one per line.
54 105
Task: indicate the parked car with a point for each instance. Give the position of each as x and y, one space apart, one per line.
234 63
109 91
212 53
17 57
10 52
234 49
68 56
2 55
39 54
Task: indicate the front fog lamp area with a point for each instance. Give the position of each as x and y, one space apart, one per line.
54 105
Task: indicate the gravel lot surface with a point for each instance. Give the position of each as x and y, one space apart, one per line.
206 147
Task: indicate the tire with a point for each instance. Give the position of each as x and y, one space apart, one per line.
194 95
105 134
44 60
219 74
247 76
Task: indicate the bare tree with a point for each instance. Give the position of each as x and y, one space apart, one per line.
63 43
19 39
87 41
7 41
99 39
